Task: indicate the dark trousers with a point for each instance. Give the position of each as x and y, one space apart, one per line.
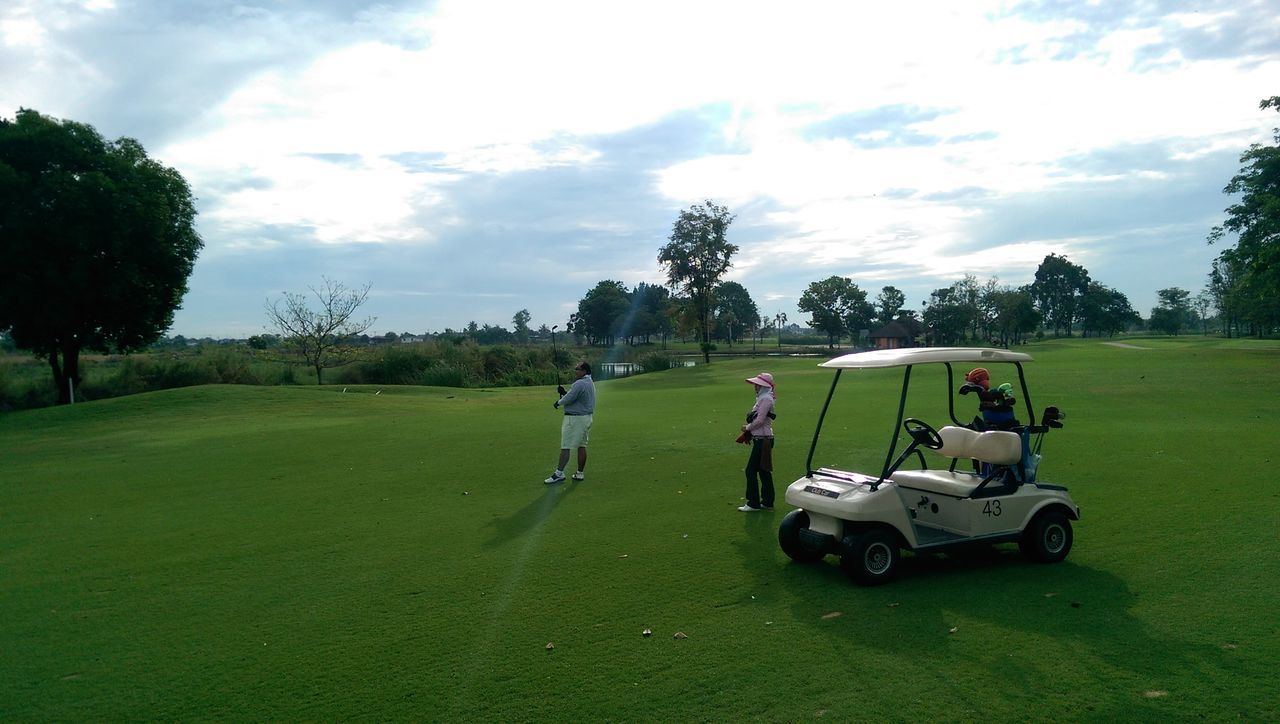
760 477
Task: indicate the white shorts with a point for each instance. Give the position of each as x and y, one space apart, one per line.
574 430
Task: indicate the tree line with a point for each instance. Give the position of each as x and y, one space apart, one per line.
97 241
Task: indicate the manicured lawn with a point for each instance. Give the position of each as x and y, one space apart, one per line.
255 553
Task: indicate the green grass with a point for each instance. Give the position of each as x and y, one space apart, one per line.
256 553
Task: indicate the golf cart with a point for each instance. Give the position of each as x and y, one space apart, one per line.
976 486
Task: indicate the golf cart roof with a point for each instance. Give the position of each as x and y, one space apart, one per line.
923 355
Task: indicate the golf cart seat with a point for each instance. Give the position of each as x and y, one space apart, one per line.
998 449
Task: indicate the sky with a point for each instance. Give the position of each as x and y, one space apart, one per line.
471 159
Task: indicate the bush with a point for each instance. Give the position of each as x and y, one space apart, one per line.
395 365
18 392
499 363
657 361
232 368
444 376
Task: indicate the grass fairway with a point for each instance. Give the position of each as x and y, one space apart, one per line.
254 553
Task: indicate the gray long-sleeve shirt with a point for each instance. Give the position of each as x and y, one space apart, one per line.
581 397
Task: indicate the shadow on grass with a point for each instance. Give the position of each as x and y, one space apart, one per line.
526 520
1053 612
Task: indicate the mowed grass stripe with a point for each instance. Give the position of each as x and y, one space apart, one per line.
248 553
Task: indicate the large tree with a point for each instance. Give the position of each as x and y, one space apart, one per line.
1172 312
1013 314
946 315
1058 287
696 256
1104 310
737 313
97 241
521 323
836 306
602 312
321 336
653 311
889 301
1253 265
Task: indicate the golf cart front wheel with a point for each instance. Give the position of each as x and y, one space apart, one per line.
870 558
1048 538
789 538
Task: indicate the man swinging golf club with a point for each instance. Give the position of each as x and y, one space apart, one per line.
579 403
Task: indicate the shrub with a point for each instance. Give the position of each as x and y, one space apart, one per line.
232 368
396 365
19 392
499 362
657 361
443 376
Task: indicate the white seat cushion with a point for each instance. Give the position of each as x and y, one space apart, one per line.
960 485
997 447
993 446
956 441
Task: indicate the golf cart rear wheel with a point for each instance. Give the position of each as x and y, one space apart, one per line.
789 538
1048 538
870 558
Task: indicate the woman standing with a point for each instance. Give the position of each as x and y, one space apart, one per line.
760 428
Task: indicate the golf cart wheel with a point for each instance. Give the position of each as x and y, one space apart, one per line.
870 558
1048 538
789 538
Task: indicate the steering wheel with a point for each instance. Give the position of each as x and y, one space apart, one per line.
922 433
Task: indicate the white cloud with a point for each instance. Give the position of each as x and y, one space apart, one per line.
286 118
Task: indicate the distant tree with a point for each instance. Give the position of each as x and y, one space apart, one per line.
97 241
320 335
836 306
1252 266
601 311
736 311
263 341
1225 289
780 321
1057 290
6 343
888 302
491 334
696 257
684 319
1172 311
1202 303
652 304
986 311
1013 314
521 323
946 316
1104 310
968 294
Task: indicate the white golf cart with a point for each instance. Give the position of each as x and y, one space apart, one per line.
977 487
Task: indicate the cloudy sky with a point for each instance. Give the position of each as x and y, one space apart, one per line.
470 159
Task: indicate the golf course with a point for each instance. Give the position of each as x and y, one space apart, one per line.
233 553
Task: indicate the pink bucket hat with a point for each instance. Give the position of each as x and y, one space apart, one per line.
764 379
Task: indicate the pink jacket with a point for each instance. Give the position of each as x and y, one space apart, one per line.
762 425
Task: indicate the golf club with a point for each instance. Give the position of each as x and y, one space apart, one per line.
555 361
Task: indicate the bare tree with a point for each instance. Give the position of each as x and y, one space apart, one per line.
320 336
